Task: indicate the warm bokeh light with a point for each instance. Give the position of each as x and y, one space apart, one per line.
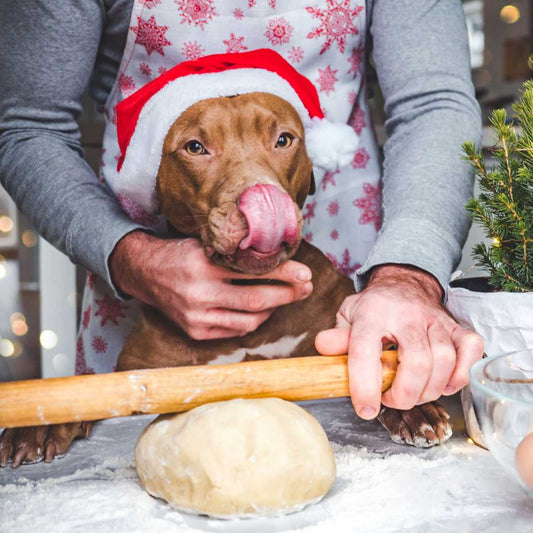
510 14
18 347
29 239
61 362
6 348
19 327
6 224
48 339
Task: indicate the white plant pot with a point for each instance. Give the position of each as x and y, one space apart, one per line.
505 322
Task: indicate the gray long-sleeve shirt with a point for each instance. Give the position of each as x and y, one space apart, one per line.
52 51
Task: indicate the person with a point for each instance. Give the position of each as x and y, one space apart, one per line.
51 53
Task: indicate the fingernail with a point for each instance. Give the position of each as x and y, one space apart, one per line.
364 411
307 289
449 389
303 274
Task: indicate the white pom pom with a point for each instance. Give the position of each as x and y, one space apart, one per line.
330 145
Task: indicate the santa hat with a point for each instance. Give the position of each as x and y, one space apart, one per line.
145 117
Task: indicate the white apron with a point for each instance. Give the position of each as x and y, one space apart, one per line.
324 40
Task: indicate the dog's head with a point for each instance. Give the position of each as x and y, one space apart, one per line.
235 173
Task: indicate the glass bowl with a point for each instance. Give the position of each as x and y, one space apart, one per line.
502 394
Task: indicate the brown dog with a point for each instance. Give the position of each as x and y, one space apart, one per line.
234 174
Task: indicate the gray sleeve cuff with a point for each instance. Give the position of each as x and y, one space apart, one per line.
412 242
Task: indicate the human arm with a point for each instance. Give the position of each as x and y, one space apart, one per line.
421 58
47 54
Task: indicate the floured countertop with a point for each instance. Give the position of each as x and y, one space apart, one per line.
380 487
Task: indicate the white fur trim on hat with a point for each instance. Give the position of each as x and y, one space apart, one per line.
330 145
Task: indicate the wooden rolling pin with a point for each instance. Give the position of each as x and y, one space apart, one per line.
169 390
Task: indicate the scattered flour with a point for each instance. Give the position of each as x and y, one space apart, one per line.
380 487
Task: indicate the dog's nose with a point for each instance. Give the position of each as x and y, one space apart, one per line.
271 218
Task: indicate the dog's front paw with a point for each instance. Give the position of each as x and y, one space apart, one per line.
422 426
30 445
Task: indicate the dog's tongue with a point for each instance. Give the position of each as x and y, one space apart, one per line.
270 216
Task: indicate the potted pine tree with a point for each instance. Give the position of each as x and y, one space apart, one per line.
500 307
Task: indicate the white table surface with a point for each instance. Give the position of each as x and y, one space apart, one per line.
457 487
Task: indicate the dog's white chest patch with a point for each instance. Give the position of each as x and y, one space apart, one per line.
281 348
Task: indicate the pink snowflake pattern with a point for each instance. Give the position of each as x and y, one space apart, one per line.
336 23
309 211
192 50
308 236
126 84
251 3
334 235
99 344
91 279
370 204
150 35
333 208
295 54
150 3
329 178
352 95
234 44
355 62
360 159
326 80
345 266
357 120
86 317
272 4
81 363
109 308
279 31
136 212
161 70
145 69
196 12
238 13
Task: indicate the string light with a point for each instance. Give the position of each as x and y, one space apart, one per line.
6 224
28 238
510 14
6 348
496 242
18 349
48 339
18 324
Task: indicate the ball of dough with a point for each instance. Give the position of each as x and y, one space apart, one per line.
237 458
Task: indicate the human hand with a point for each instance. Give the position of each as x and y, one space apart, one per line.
176 277
401 305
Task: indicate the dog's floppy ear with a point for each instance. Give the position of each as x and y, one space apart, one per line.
312 186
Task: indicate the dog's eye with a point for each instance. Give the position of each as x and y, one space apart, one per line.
195 148
285 140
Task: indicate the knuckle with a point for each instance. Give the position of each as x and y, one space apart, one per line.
460 379
446 356
476 342
197 333
421 364
255 301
